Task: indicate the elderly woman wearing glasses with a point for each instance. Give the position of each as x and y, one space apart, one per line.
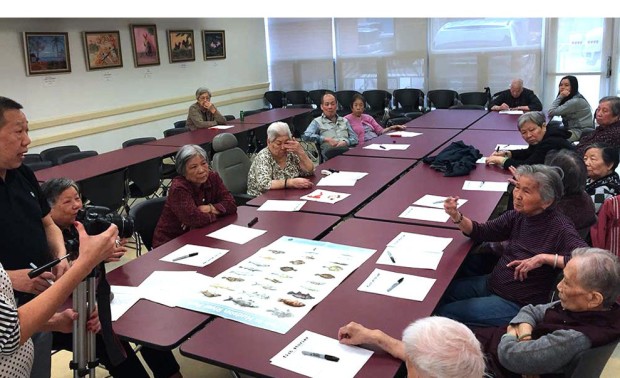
203 113
281 165
197 197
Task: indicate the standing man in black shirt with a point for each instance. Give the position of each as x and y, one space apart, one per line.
516 98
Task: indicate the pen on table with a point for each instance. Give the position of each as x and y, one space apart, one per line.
33 266
382 146
438 202
185 256
333 170
391 257
253 222
482 184
320 355
497 149
396 135
400 280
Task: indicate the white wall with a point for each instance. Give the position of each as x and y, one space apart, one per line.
48 97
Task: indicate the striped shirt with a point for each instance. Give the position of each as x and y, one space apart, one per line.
548 232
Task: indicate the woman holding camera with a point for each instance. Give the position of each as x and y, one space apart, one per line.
65 202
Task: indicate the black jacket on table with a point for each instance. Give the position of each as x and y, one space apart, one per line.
554 139
527 98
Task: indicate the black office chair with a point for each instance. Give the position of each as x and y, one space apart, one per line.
76 156
345 98
397 121
143 179
276 99
474 98
107 190
52 154
469 106
315 96
591 362
175 131
377 100
229 117
146 215
297 97
233 165
38 165
251 112
301 123
334 151
32 158
442 98
180 124
407 101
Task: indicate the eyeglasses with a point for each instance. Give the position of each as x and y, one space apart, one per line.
204 98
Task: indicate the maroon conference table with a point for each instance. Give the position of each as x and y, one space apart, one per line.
422 180
274 115
496 121
104 163
447 119
487 140
380 173
248 349
419 146
162 327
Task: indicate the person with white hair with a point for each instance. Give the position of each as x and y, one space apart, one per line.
283 164
431 347
203 113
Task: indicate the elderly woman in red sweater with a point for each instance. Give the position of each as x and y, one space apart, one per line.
196 197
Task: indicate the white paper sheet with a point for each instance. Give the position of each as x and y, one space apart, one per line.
398 285
425 213
341 178
386 146
486 186
326 196
237 234
410 258
169 287
510 147
222 127
482 160
351 358
511 112
281 205
204 257
404 134
430 200
411 241
124 298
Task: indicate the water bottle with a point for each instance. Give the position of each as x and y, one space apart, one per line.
241 116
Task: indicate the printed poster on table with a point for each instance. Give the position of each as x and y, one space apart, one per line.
279 284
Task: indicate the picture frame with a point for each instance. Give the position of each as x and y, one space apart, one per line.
181 46
214 44
46 53
102 50
144 44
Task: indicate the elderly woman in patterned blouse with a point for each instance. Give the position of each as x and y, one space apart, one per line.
197 197
280 165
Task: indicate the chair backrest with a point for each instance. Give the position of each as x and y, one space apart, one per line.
108 190
591 362
335 151
134 141
175 131
37 165
408 99
297 97
52 154
229 117
344 100
397 121
377 99
315 96
254 111
231 163
31 158
76 156
469 106
301 123
442 98
277 99
180 124
474 98
146 215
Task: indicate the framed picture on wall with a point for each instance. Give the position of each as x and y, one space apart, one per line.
46 53
214 44
144 44
181 46
102 50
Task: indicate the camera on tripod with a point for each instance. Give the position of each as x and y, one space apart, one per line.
97 219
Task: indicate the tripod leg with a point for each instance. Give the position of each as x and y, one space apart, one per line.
90 337
78 364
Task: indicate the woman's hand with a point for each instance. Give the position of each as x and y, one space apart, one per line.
394 127
522 267
450 207
294 146
564 93
119 251
299 183
495 159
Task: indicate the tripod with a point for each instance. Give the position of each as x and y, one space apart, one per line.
84 346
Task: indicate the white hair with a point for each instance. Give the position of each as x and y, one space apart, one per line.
439 347
278 129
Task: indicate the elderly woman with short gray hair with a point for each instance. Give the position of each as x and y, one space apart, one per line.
203 113
197 197
538 242
281 165
540 138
